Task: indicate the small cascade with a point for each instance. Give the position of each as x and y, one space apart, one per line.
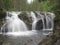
34 19
49 20
45 17
41 19
13 23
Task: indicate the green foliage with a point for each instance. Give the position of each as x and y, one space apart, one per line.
37 5
48 5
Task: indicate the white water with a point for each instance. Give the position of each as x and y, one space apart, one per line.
49 17
13 23
49 20
18 32
34 20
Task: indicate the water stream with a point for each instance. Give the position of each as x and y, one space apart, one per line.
17 30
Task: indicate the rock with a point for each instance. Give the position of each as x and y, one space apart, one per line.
58 42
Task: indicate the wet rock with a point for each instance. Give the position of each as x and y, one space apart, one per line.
39 25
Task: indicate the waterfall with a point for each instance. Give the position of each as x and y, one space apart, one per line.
13 23
49 20
17 31
41 17
46 17
34 20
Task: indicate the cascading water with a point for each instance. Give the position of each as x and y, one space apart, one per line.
13 23
17 32
41 17
49 20
34 21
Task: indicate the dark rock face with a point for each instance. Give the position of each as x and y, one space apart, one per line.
39 25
